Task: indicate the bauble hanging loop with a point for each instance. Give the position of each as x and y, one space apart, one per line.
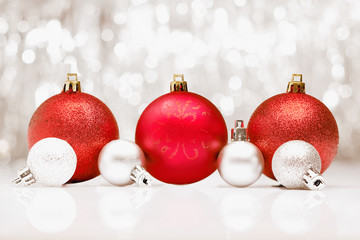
25 176
178 85
72 84
238 133
313 180
140 176
296 86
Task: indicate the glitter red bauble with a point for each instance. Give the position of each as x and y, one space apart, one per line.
293 116
181 134
82 120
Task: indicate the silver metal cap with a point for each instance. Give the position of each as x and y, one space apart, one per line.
25 176
313 180
238 133
140 176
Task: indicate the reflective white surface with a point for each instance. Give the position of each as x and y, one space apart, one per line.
210 209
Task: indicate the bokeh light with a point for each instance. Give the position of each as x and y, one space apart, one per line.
235 53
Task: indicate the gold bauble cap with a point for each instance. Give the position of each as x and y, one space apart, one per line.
72 83
178 84
296 86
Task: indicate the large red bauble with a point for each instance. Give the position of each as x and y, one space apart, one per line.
181 134
293 116
82 120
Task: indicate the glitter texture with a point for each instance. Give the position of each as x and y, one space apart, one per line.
52 161
85 122
181 134
291 161
293 116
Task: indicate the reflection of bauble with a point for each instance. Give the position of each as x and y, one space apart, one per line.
52 210
240 210
297 212
117 210
183 212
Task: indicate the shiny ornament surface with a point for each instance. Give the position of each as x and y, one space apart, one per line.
52 161
291 162
293 116
181 134
85 122
240 163
117 161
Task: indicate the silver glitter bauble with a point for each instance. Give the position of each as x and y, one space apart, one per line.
240 163
296 164
51 162
120 164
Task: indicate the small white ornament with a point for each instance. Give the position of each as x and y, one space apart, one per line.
240 162
297 164
51 162
120 164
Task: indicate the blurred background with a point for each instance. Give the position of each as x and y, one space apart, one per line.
236 53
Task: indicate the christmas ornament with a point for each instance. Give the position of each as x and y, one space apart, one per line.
297 164
240 162
120 164
181 134
85 122
51 162
293 116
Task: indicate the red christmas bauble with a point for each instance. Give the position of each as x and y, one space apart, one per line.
181 134
293 116
82 120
